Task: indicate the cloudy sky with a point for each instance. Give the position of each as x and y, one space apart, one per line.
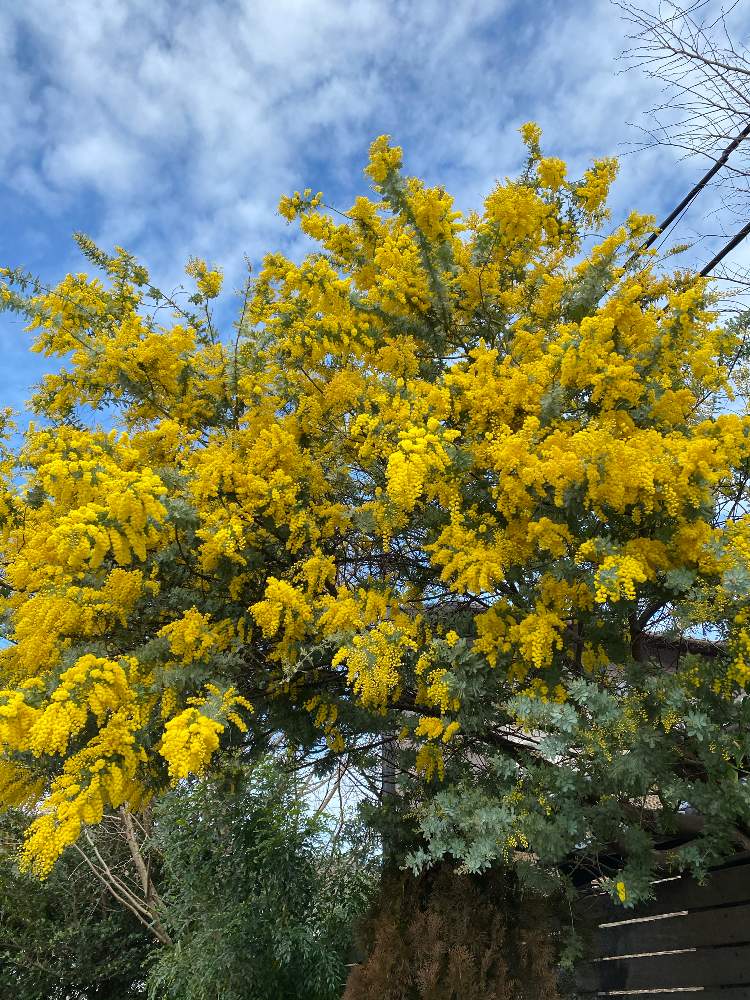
173 128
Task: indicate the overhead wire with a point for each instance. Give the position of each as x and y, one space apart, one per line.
735 241
689 198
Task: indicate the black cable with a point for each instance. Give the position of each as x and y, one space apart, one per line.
692 195
698 187
735 241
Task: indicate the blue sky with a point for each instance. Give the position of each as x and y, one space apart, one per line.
173 128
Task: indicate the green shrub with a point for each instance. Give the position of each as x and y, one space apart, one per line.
259 898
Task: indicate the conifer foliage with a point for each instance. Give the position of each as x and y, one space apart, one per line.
444 936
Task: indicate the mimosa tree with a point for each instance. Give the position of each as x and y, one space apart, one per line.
446 481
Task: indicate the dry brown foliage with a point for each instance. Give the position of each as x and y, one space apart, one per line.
454 937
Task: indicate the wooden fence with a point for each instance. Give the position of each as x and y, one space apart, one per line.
690 941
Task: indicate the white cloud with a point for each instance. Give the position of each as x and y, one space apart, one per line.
174 128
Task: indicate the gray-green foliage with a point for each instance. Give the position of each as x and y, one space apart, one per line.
639 759
260 900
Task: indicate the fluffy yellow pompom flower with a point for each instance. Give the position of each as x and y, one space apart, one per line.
531 133
190 740
384 159
209 281
551 172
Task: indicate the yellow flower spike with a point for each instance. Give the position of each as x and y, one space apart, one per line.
430 727
450 731
189 742
617 578
209 281
531 133
384 159
551 173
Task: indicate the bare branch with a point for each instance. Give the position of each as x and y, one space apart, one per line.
705 110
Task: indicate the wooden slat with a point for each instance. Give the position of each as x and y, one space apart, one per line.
704 967
728 885
726 925
738 993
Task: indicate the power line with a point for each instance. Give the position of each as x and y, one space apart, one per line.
695 191
735 241
691 196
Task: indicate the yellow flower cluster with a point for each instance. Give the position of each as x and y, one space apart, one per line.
194 636
384 159
531 133
374 660
104 774
349 610
325 716
94 685
209 281
420 454
284 609
597 182
537 636
192 738
471 562
430 762
617 577
544 693
290 207
434 728
519 214
473 423
551 172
